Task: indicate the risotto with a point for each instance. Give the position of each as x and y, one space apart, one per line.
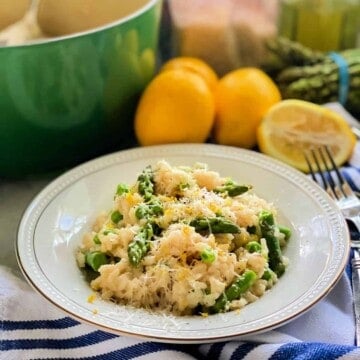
185 240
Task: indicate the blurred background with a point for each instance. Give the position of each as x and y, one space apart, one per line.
72 72
232 33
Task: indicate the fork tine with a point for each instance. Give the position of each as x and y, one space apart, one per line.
328 170
332 180
327 185
334 185
311 169
344 185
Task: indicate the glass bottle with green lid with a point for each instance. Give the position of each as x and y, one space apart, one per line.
325 25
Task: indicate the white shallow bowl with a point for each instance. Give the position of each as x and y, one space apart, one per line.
54 223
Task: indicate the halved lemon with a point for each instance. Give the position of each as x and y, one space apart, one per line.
292 127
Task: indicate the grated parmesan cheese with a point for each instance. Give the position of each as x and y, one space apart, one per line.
171 276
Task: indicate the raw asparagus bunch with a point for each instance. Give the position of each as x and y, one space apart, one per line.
302 73
284 53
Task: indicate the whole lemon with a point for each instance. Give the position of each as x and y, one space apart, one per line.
242 98
176 107
194 65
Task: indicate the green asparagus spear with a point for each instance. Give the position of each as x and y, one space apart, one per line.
233 292
155 206
302 73
142 211
252 229
95 259
232 189
140 245
146 183
293 53
216 225
152 208
267 226
285 230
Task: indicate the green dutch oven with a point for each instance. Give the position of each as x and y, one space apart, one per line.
66 100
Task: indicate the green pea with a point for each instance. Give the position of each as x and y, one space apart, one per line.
253 246
96 239
116 216
122 189
268 275
208 256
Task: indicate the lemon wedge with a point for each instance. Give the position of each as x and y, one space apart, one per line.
292 127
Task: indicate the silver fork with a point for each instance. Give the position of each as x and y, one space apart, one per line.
334 183
320 161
